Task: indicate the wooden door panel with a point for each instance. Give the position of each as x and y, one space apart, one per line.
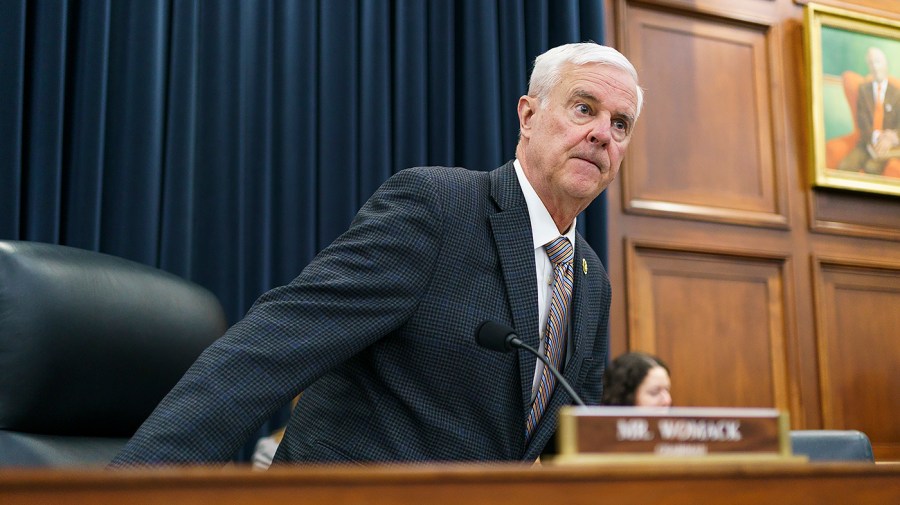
858 314
717 319
707 119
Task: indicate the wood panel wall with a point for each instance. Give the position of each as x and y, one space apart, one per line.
756 287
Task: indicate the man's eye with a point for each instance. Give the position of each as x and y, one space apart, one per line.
620 124
583 109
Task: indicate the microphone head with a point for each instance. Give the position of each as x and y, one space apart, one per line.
495 336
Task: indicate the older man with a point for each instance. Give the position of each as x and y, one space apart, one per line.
877 118
378 330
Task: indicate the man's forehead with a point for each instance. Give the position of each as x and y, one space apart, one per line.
606 89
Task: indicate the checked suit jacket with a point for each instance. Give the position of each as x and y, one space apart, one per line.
378 334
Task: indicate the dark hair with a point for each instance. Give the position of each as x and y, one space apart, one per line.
623 376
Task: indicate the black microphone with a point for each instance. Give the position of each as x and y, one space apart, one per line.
502 338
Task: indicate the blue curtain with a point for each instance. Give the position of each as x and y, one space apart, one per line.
229 141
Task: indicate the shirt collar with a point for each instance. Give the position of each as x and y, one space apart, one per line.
543 229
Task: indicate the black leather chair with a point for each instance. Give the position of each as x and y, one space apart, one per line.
832 445
89 345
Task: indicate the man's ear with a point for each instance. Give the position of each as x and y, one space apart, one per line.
527 109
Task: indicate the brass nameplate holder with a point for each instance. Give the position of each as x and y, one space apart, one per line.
597 433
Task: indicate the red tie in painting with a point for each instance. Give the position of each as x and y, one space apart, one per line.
878 112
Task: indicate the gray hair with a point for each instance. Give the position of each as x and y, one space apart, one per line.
547 67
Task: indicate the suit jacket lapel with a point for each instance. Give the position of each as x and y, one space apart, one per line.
890 98
511 227
585 310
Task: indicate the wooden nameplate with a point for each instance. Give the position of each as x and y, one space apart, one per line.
692 433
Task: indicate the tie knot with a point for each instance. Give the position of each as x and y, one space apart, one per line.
559 250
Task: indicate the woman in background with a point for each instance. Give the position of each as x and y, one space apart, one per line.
637 379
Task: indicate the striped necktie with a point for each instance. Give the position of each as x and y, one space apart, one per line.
561 255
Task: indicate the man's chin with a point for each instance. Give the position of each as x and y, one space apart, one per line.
582 189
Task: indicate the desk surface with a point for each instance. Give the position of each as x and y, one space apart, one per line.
733 483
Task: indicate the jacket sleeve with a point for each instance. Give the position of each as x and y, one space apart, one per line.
358 289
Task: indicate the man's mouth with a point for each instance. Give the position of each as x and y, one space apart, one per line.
597 164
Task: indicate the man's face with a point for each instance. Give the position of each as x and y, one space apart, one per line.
878 65
575 140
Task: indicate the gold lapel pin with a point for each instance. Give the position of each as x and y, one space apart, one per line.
584 266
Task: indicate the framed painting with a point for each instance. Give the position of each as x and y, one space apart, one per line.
853 67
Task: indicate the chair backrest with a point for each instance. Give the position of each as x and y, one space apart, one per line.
89 345
851 82
832 445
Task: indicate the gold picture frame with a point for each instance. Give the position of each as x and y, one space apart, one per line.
844 49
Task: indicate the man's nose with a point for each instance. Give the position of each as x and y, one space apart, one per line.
599 134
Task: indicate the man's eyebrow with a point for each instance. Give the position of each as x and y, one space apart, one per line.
584 95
